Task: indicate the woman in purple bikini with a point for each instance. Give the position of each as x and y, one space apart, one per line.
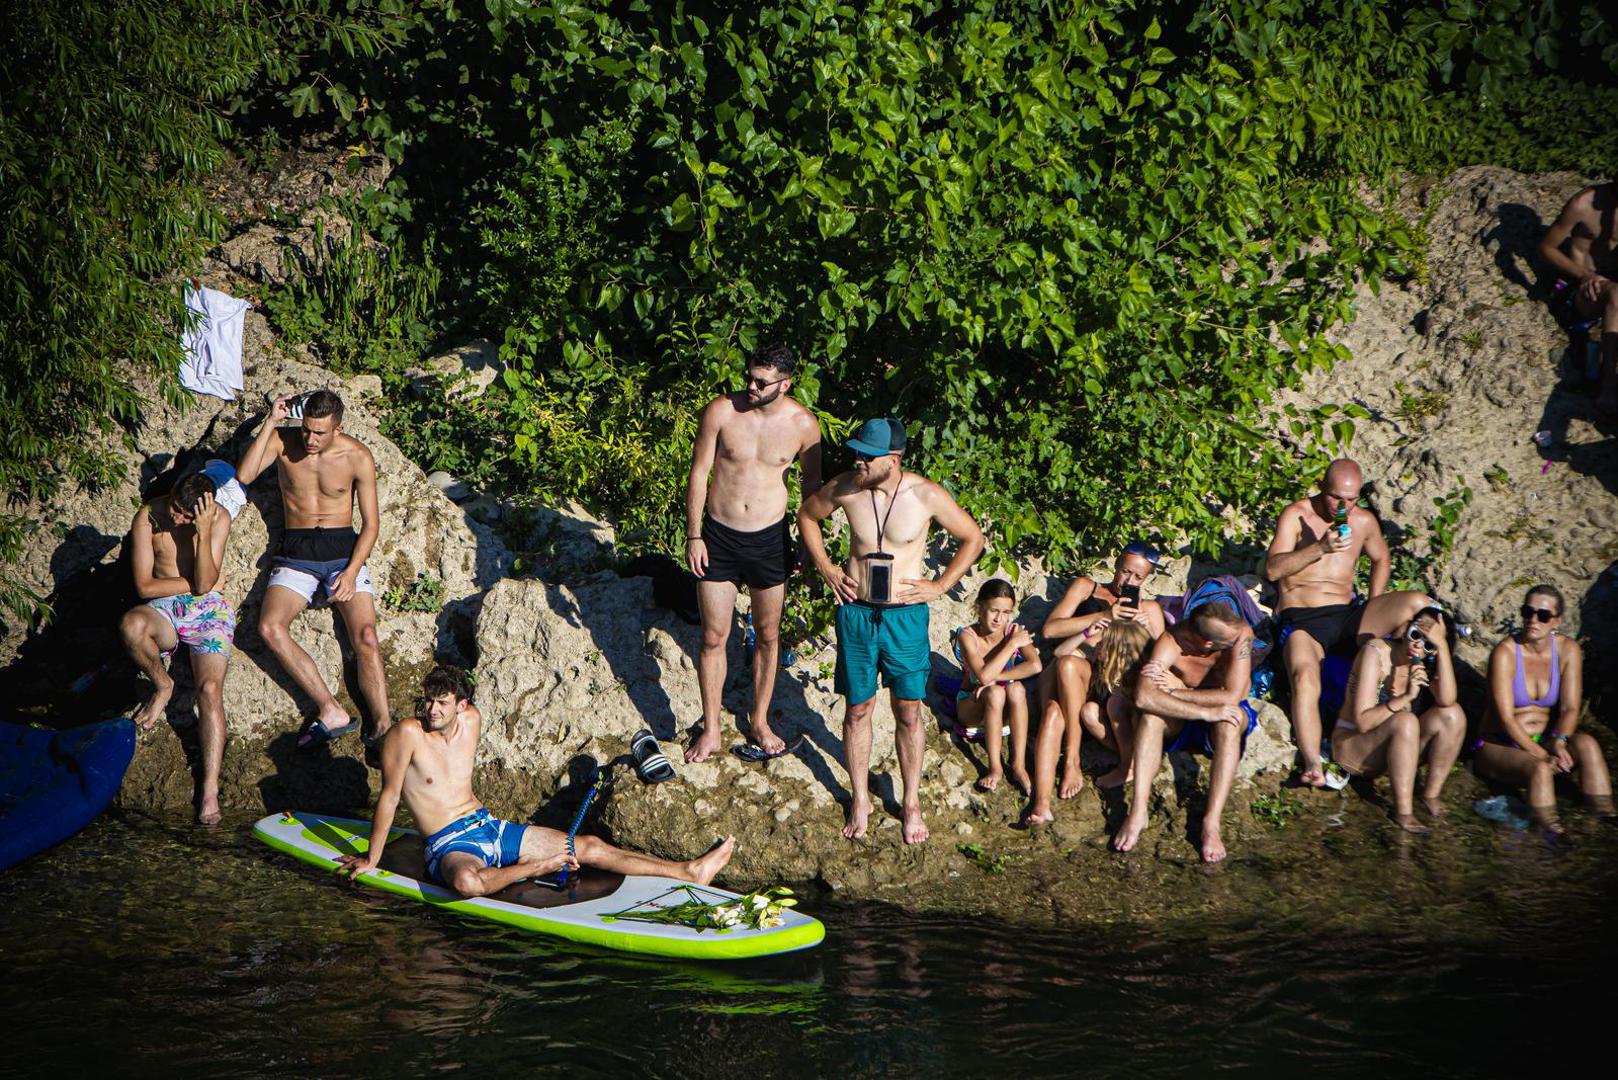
1530 734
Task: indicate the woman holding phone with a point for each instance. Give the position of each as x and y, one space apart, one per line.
1530 734
1379 730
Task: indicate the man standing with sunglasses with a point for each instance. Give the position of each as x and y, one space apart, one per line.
882 597
737 532
1317 546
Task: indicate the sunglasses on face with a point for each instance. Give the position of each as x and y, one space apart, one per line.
1529 614
1144 550
758 383
1419 640
862 456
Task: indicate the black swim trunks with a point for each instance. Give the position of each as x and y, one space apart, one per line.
1336 627
759 560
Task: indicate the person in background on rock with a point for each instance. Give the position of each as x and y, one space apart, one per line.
428 761
1379 730
737 531
1582 247
882 597
323 472
1192 695
177 548
996 655
1076 623
1318 543
1532 672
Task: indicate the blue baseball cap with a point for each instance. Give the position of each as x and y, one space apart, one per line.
877 437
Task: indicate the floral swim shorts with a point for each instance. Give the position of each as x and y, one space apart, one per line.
204 624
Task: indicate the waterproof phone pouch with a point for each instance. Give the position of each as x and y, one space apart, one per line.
876 578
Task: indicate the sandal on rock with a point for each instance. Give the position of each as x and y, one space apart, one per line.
650 764
755 753
316 732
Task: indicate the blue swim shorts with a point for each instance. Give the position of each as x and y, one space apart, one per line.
496 842
890 640
1197 737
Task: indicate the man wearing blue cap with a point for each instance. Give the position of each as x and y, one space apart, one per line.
737 533
882 596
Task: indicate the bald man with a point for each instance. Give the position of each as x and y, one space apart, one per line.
1582 247
1317 546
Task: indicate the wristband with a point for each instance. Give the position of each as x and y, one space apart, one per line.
690 538
1558 736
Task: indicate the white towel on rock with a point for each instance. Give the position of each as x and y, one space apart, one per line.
213 344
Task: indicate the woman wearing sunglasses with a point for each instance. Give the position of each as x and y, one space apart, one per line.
1536 686
1379 730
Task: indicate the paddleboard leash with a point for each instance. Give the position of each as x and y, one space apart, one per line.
578 821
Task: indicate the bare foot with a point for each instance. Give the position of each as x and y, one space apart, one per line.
706 744
1312 775
1213 848
859 813
704 870
1019 780
915 829
1129 835
1434 806
988 782
767 740
156 706
1409 824
1115 778
1072 782
208 810
1036 816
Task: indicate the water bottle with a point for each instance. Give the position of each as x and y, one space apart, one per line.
748 639
1341 517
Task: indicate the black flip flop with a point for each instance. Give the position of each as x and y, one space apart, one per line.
650 764
754 753
319 733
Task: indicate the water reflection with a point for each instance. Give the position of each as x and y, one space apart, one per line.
186 951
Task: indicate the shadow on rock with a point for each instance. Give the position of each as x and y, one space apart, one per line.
322 779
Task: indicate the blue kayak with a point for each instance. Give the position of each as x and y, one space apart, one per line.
54 783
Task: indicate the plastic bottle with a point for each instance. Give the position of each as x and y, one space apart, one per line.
1341 517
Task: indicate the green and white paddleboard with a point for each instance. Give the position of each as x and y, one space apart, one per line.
584 910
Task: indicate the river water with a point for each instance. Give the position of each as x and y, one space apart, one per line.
147 948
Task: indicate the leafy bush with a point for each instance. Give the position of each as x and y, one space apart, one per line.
361 306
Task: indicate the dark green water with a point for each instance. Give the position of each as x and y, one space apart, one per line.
145 949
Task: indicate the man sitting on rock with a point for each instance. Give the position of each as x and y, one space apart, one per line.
882 597
1192 695
322 472
1582 247
1065 686
1318 543
737 532
429 761
177 548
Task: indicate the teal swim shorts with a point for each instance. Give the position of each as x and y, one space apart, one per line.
891 640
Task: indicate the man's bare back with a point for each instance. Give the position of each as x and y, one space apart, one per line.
754 450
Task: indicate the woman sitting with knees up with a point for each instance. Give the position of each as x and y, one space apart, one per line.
996 655
1530 734
1106 715
1379 729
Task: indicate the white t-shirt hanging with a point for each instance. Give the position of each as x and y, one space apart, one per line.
213 345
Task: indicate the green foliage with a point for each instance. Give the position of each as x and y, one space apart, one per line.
1535 125
361 306
1446 515
108 120
1276 810
426 593
983 859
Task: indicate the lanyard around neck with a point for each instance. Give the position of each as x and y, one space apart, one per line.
882 522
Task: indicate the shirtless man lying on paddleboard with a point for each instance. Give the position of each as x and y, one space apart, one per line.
429 762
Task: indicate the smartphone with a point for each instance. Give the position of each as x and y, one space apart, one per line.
879 579
1129 594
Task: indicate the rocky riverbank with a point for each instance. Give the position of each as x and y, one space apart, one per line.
1457 371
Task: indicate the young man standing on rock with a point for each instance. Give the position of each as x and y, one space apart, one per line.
882 597
1318 543
737 531
177 548
428 762
1582 247
322 472
1192 695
